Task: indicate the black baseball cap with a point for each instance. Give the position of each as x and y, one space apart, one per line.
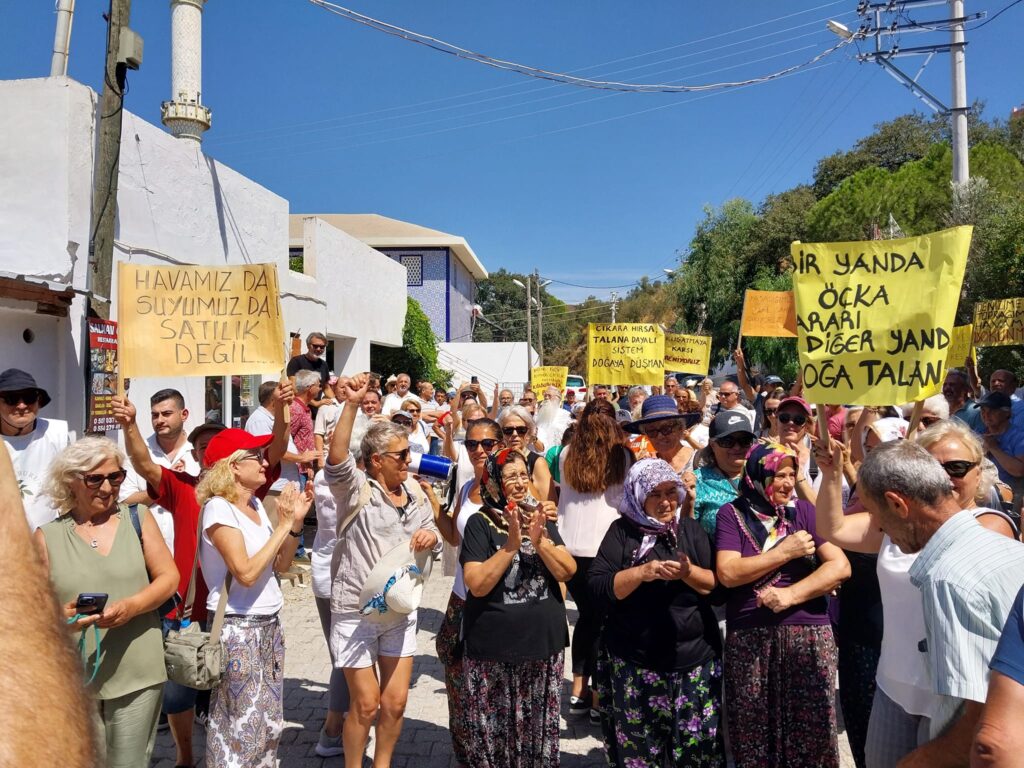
999 401
729 423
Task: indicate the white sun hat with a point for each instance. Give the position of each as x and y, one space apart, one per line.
395 585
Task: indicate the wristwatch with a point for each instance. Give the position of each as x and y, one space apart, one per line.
294 535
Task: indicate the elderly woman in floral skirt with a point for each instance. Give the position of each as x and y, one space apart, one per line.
659 672
780 655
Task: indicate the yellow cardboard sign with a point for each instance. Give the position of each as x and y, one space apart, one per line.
999 323
687 354
626 353
544 376
768 313
199 321
875 318
960 347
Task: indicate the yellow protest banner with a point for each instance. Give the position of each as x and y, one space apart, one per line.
543 376
960 347
875 318
687 354
199 321
626 353
768 313
999 323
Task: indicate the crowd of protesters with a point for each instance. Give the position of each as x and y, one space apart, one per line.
729 551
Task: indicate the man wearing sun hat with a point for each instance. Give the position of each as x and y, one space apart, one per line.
32 441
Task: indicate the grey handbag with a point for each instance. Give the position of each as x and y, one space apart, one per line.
195 658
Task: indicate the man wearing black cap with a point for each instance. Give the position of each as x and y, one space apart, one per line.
767 385
32 441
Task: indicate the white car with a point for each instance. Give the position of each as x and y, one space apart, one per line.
578 385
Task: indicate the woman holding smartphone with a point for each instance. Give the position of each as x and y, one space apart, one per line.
93 547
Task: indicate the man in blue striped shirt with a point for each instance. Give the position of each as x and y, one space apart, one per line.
968 577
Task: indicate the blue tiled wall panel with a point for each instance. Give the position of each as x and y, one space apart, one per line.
432 295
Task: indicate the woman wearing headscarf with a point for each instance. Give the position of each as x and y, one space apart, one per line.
514 624
659 672
592 469
780 655
719 466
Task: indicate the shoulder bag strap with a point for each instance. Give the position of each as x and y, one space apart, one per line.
222 604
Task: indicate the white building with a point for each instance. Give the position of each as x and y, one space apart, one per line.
175 205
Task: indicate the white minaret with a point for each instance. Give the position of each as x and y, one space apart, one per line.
184 114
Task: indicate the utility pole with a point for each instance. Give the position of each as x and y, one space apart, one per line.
529 330
124 51
62 38
875 27
540 319
961 169
615 304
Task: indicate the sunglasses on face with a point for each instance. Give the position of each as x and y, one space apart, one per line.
487 444
727 394
509 431
793 418
28 397
402 455
403 421
665 431
96 481
413 410
958 468
732 441
770 411
318 346
254 456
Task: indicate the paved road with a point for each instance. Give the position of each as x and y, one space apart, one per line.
425 742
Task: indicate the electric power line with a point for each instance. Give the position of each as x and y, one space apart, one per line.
560 77
996 15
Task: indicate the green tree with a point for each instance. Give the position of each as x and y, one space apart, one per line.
418 354
504 312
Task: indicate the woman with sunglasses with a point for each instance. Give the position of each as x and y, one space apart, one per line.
592 468
514 622
780 655
419 438
903 696
241 551
93 547
795 421
666 428
519 432
482 437
719 465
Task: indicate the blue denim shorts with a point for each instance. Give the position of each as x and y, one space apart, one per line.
177 698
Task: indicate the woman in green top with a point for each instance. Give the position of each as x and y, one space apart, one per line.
93 547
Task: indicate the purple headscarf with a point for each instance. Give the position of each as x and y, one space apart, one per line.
644 477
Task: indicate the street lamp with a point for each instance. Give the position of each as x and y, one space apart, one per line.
529 325
837 28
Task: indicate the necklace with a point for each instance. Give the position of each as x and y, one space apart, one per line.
93 542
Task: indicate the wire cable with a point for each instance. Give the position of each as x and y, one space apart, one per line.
996 15
560 77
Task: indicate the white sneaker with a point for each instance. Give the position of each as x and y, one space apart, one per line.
328 747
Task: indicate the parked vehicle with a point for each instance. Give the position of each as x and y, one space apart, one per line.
579 385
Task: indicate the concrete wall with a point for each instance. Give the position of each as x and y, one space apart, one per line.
175 205
493 362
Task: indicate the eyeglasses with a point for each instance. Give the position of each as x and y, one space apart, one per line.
413 410
770 411
402 455
96 481
401 420
509 431
726 394
793 418
958 468
732 441
665 431
486 443
254 456
27 396
318 346
522 477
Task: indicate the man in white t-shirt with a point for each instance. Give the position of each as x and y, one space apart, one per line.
393 402
33 442
168 447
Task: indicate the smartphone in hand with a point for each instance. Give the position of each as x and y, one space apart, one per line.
89 603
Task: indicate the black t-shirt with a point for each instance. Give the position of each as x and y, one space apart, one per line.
860 602
523 617
303 363
760 422
663 625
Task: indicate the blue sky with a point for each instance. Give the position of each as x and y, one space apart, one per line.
590 187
